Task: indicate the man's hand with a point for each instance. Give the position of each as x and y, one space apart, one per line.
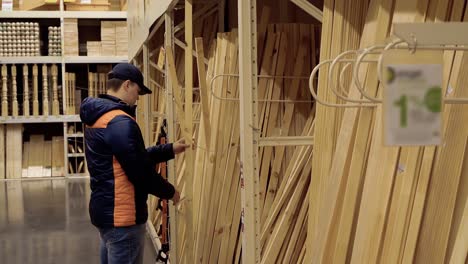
180 146
176 197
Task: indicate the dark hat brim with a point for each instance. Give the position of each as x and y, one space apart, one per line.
144 90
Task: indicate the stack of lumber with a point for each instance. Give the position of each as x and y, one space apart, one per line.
71 37
43 158
375 204
121 38
89 5
108 39
94 48
285 50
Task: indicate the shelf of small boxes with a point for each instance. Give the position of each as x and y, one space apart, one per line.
19 39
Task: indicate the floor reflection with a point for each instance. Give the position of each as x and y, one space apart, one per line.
46 221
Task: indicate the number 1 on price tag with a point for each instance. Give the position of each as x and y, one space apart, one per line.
412 98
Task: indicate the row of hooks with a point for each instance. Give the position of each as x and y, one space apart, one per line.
359 57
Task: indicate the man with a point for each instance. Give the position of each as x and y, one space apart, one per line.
122 170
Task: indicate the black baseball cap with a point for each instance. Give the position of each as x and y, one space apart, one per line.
127 71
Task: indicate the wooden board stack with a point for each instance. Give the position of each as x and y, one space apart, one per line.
43 158
71 37
121 38
94 48
414 198
108 40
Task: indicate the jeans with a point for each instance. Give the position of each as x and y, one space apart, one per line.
122 245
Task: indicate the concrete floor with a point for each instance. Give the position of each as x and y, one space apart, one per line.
47 222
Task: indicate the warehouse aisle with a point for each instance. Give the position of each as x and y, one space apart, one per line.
47 222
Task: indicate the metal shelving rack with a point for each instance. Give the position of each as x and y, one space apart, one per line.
63 61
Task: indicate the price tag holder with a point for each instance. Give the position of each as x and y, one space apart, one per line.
86 1
412 105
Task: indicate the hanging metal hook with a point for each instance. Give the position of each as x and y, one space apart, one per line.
330 77
356 72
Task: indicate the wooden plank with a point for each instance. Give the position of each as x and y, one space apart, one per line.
25 161
47 159
4 91
265 88
402 198
278 235
207 195
14 91
45 91
36 145
460 250
285 127
230 151
35 90
14 151
224 131
2 152
189 155
26 101
204 89
327 193
55 101
176 87
442 189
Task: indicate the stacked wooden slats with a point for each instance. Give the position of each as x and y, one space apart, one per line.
71 37
376 204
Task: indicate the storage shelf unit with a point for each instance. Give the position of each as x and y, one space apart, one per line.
61 62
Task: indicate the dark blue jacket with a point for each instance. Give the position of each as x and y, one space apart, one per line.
122 171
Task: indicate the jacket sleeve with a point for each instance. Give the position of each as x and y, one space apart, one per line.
126 142
161 153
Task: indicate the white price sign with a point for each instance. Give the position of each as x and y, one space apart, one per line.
86 1
7 5
412 100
